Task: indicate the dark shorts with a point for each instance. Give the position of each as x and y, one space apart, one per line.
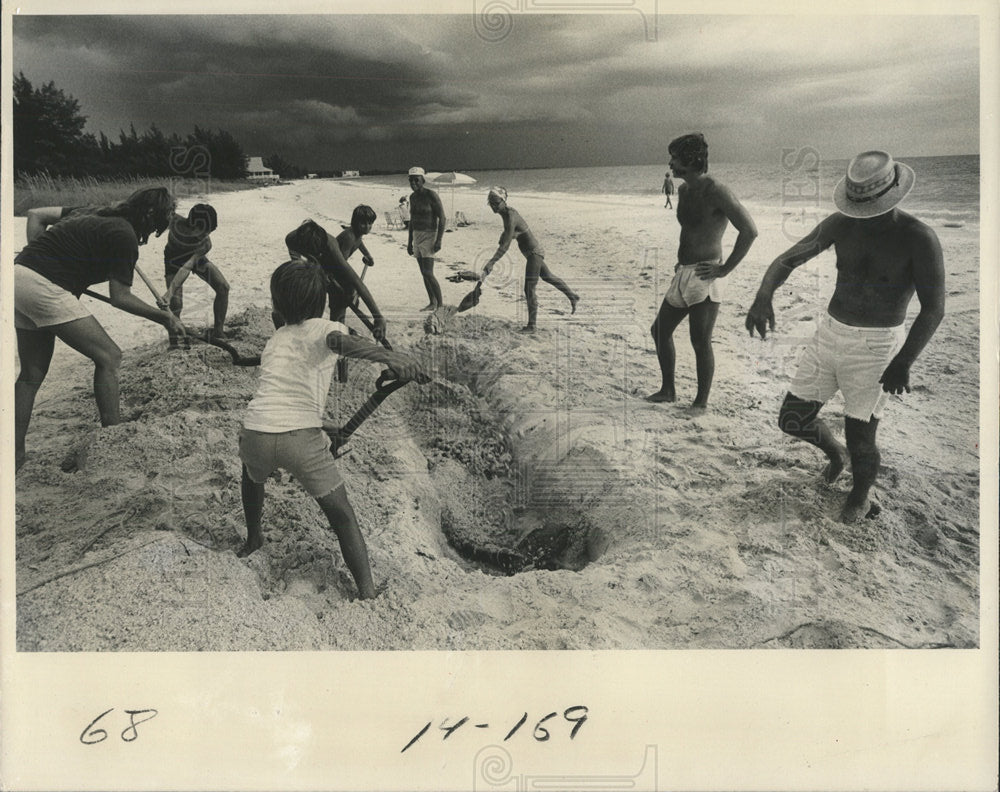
200 269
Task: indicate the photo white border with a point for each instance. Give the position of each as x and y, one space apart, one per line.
902 719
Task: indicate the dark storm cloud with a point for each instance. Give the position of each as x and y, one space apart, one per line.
376 90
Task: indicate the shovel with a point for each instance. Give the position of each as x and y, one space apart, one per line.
384 386
206 338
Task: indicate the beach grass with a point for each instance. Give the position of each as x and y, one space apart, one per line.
45 190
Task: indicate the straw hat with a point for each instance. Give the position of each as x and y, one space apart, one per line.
874 184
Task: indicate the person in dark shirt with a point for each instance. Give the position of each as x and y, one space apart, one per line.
50 274
188 243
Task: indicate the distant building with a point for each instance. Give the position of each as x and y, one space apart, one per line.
257 172
351 173
310 175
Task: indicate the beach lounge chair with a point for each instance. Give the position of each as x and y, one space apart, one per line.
461 220
394 219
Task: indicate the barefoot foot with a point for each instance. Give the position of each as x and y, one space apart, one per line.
835 466
662 395
855 508
249 546
572 303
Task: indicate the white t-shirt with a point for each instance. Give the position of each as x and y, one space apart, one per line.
296 367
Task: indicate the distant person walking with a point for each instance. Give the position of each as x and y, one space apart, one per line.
860 348
705 207
514 227
426 228
668 190
50 274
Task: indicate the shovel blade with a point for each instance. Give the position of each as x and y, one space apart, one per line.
471 299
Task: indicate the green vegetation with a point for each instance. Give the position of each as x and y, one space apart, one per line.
54 157
45 190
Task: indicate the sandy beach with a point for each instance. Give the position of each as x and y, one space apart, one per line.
529 498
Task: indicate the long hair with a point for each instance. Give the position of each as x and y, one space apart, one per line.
298 290
147 210
308 240
692 150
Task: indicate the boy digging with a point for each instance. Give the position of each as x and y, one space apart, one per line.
284 426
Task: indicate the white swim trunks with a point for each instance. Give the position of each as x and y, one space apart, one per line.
851 360
39 303
687 289
423 243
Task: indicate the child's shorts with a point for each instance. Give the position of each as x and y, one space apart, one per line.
305 453
687 289
39 303
851 360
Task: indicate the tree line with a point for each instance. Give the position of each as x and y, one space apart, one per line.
49 137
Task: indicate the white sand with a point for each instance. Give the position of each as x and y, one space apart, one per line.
673 531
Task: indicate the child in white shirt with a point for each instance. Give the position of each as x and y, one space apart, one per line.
284 427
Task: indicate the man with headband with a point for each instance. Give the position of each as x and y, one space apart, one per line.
705 207
860 348
425 232
514 227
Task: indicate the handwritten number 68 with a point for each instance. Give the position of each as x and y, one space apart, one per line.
92 735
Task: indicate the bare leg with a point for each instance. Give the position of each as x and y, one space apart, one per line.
344 523
532 269
702 322
338 313
800 418
253 508
430 284
865 459
546 275
34 352
214 278
88 338
176 306
663 337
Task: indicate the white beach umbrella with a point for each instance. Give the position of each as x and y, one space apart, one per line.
451 178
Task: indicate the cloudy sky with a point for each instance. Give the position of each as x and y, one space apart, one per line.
474 92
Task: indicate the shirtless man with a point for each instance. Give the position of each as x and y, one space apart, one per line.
704 209
514 227
883 256
425 231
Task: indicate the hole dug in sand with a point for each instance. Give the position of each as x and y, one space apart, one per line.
506 507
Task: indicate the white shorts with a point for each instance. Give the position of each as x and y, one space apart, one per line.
851 360
687 289
39 303
423 243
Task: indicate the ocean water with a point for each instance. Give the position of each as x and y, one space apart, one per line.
946 188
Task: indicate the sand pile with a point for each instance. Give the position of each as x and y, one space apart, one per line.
528 498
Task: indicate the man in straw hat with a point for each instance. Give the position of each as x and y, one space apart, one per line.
426 230
884 255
